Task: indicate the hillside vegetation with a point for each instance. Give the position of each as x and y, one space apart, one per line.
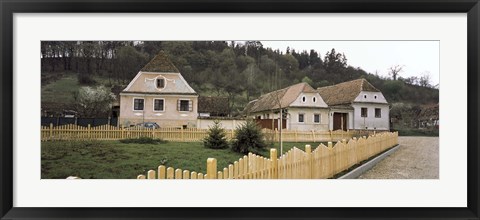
241 71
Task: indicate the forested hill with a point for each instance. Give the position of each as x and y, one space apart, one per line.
241 71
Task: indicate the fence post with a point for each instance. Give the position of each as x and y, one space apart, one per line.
182 136
313 135
212 168
51 131
331 139
161 172
273 158
296 137
89 134
151 174
123 133
308 150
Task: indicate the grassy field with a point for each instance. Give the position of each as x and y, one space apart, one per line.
61 90
116 160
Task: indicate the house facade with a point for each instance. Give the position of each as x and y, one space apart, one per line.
303 108
356 104
160 94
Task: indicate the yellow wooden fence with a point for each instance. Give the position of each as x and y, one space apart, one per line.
321 163
108 132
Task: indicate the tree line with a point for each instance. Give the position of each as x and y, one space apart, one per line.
241 71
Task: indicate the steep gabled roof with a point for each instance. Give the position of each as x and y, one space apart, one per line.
159 67
160 64
346 92
283 97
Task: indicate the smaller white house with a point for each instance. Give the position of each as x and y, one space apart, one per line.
303 109
356 104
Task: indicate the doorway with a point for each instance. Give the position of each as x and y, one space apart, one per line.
340 121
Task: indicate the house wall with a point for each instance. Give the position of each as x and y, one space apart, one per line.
225 123
292 118
146 82
308 124
371 97
371 122
319 103
349 117
170 117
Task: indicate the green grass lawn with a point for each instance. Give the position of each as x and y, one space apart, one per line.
61 90
115 160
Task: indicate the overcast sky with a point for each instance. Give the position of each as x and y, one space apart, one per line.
417 57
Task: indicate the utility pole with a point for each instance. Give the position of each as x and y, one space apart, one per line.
280 129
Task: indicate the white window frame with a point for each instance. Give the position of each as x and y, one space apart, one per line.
189 100
304 99
299 118
375 112
319 118
164 82
361 115
133 104
153 106
314 99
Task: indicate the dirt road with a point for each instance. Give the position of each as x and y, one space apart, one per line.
416 158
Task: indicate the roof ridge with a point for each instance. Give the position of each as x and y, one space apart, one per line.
160 63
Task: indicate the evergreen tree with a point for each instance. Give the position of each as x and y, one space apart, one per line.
216 138
249 138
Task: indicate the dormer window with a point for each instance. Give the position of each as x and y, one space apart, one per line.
160 83
314 99
365 96
375 97
304 99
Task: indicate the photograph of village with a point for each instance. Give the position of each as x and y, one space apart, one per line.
239 109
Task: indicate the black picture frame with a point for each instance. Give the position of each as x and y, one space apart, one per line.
9 7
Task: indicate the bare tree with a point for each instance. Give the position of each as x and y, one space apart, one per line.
424 80
395 70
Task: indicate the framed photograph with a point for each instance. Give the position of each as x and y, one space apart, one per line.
269 109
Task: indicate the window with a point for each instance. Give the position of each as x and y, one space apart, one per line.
304 99
161 83
316 118
375 97
158 105
314 99
184 105
301 118
365 96
364 112
138 104
268 116
378 113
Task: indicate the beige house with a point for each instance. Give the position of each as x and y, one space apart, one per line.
356 104
160 94
303 107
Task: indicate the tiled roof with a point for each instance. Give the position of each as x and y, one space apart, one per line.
283 97
213 105
346 92
160 64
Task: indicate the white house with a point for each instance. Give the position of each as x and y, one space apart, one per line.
304 108
160 94
356 104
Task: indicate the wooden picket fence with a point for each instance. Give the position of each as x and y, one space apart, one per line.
108 132
321 163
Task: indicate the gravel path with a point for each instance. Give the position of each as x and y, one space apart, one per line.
416 158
